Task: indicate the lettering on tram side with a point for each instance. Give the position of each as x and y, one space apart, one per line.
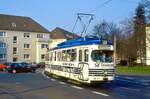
74 70
67 64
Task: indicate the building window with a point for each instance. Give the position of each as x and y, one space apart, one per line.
2 34
26 56
15 39
43 56
15 59
44 45
2 45
26 46
2 56
26 35
40 36
14 50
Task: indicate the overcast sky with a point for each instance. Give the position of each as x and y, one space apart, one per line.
62 13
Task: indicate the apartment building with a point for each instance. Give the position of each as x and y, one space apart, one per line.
22 39
59 35
148 44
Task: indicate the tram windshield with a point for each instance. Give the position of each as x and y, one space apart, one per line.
102 56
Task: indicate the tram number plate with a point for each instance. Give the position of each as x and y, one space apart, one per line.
105 79
97 78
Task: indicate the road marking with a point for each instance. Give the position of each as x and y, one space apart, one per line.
43 73
130 89
99 93
53 79
17 83
62 83
39 71
127 81
129 77
47 77
145 80
146 84
80 88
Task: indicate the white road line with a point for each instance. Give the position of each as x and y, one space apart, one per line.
145 80
62 83
146 84
47 77
43 72
129 77
53 79
130 89
80 88
99 93
17 83
127 81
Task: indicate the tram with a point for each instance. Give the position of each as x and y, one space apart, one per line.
86 60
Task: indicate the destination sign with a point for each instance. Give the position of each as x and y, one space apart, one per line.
105 47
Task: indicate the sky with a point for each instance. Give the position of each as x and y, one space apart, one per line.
62 13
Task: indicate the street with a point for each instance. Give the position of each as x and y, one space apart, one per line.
38 86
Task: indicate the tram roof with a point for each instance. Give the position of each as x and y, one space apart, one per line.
81 42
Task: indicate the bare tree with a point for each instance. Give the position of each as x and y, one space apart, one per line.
126 41
139 33
106 30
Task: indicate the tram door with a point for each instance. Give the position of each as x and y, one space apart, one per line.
83 64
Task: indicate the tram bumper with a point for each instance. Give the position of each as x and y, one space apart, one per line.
101 78
101 74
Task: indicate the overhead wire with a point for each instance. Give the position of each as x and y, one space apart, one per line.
101 5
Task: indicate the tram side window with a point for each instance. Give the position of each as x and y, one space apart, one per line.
60 56
51 56
47 57
55 56
73 54
86 55
80 55
68 56
63 55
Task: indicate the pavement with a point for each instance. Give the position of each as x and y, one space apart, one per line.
38 86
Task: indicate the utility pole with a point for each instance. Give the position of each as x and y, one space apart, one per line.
115 49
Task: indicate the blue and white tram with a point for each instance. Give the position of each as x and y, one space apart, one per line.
85 60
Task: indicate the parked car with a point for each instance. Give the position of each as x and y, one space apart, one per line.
41 65
3 67
20 67
33 66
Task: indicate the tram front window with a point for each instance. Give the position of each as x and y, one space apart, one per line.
102 56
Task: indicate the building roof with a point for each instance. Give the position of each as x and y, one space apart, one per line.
59 33
81 42
20 23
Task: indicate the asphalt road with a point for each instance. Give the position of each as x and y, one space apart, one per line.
38 86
